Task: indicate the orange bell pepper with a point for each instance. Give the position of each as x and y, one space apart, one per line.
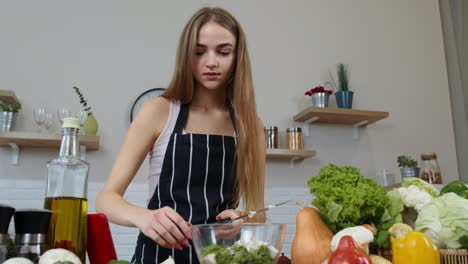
415 248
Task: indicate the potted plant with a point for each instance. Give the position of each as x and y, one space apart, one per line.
319 96
408 166
8 115
344 97
90 125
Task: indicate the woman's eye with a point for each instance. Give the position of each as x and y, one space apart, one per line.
225 53
199 52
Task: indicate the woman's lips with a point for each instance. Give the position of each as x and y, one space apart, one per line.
211 76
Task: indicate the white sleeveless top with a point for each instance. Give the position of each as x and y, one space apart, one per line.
156 155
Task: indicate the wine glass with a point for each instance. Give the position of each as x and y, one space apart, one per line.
81 115
39 115
63 113
48 122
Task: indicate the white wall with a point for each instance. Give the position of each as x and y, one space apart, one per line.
114 50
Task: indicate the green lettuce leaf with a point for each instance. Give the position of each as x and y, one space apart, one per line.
345 197
421 184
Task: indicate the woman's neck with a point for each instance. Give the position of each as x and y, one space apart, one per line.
209 99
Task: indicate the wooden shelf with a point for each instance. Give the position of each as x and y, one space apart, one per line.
36 140
292 155
331 115
328 115
7 96
288 154
16 140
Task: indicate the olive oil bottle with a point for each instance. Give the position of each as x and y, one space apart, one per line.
66 193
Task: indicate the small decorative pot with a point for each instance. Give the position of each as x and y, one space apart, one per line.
90 125
7 121
407 172
344 99
320 99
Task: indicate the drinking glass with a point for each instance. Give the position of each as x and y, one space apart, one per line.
81 115
39 115
63 113
48 122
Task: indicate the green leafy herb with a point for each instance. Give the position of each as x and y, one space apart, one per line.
238 254
406 161
463 240
10 107
346 198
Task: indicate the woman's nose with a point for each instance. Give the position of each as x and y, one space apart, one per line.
212 61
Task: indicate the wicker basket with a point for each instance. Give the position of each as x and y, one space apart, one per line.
447 256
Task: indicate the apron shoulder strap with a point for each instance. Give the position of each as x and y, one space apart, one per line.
232 114
181 119
184 109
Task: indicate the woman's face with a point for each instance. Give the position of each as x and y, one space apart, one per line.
214 56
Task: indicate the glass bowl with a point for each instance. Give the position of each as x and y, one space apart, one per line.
238 242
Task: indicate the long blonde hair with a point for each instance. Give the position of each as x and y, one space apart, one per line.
239 92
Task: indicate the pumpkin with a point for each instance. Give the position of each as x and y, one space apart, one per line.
311 244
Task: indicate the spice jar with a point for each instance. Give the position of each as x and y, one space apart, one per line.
294 137
430 170
271 136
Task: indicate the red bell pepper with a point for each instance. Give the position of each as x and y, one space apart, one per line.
349 252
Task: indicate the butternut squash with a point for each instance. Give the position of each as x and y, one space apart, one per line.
311 244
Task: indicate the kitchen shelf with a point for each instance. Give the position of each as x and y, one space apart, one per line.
7 96
328 115
18 139
292 155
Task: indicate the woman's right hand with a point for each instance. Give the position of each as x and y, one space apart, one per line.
165 227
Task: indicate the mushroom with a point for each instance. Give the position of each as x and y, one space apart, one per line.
362 235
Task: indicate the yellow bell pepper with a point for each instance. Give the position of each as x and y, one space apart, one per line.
415 248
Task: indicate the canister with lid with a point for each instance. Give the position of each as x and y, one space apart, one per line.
271 137
294 135
430 170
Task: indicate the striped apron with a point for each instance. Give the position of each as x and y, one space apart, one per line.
197 180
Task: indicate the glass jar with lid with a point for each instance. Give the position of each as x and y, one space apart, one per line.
430 170
294 138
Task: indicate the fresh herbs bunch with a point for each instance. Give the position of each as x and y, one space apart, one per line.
83 102
406 161
12 107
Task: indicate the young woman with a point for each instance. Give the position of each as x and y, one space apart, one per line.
205 142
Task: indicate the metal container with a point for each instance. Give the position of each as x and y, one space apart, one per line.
7 121
320 99
407 172
31 226
271 136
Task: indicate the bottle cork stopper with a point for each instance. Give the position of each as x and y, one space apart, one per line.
71 122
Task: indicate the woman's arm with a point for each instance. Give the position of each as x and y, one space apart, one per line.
139 140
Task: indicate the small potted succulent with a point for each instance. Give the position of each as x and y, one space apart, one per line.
344 97
319 96
408 166
8 115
